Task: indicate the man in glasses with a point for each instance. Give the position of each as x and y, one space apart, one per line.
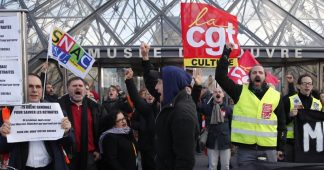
36 155
302 100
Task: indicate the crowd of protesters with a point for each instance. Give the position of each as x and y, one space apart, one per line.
164 125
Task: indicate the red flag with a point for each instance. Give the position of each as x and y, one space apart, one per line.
240 74
205 30
272 79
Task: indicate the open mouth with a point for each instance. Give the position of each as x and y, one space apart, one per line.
257 79
217 96
77 93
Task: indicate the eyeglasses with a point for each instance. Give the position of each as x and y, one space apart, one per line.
120 120
306 83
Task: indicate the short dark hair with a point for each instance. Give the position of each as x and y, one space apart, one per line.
74 79
250 72
113 86
110 119
302 76
35 75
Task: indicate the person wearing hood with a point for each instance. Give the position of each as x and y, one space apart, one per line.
176 126
258 123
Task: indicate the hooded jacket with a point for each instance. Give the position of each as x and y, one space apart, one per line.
174 80
177 123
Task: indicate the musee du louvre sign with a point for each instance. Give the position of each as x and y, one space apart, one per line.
158 52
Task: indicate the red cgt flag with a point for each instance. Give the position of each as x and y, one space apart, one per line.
240 74
205 30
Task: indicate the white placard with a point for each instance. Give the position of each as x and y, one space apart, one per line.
35 122
11 90
11 79
10 46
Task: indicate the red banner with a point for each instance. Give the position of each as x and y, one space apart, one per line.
240 73
205 30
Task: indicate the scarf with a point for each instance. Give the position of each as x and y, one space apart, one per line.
84 135
114 130
216 116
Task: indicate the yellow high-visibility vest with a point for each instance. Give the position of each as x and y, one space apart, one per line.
254 121
295 100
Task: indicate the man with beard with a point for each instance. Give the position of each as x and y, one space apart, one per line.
50 96
85 115
218 121
302 100
258 124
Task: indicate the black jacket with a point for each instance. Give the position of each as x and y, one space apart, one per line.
220 132
306 102
118 152
119 104
143 118
97 115
176 126
234 91
19 153
176 134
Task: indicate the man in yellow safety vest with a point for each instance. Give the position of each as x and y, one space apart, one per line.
258 123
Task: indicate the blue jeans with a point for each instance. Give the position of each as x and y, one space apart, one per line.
224 155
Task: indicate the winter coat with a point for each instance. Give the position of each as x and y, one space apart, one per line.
119 152
220 132
176 134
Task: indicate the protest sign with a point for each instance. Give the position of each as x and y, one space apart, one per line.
205 30
69 54
11 81
309 138
35 122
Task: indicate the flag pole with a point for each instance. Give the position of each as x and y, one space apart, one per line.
45 79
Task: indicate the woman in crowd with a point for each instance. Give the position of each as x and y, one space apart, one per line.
117 144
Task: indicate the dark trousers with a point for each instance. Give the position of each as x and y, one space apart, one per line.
148 162
76 165
289 151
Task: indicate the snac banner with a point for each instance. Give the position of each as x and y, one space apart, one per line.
205 30
63 48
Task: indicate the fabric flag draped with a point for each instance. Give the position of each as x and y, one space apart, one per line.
308 131
69 54
205 30
240 73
